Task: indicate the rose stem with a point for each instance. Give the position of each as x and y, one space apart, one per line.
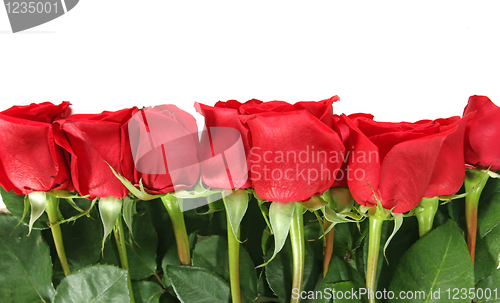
122 251
328 247
298 250
234 262
181 237
52 209
426 211
376 222
474 184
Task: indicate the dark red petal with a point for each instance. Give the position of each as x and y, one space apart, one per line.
407 170
165 150
449 172
41 112
93 143
216 142
364 167
483 137
482 105
292 177
29 159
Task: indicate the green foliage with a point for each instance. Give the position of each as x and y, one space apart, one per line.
99 283
25 265
437 262
212 254
30 270
198 285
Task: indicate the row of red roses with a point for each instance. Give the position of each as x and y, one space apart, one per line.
44 149
40 145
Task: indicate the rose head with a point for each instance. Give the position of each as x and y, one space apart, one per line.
164 144
29 159
482 145
233 169
225 144
344 132
94 141
295 153
400 163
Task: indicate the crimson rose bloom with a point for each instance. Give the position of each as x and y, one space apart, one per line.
295 153
219 141
344 132
29 159
92 140
482 144
403 162
164 141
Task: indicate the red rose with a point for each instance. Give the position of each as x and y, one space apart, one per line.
92 140
215 172
219 143
164 141
343 130
482 144
320 109
29 159
295 153
403 162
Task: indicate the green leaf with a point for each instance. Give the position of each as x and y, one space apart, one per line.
279 272
489 208
236 207
170 258
280 215
15 204
110 208
336 293
251 229
488 289
438 261
141 250
198 285
212 254
162 224
146 292
487 254
347 239
82 248
339 271
25 265
99 283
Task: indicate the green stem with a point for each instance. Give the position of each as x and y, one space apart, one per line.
425 212
474 183
298 250
327 247
122 251
52 209
376 221
234 262
181 237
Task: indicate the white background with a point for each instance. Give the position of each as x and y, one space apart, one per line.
394 60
